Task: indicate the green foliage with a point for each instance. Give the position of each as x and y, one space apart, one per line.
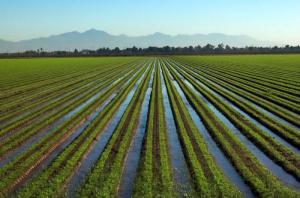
35 93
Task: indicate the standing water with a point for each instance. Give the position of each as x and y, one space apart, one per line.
218 155
278 171
183 181
133 155
87 164
258 124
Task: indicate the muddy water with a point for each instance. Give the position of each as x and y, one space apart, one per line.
258 124
79 176
133 155
276 170
182 178
218 155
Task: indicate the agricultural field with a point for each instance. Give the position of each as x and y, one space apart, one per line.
169 126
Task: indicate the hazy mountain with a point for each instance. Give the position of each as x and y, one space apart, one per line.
94 39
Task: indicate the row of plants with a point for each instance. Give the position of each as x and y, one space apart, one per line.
50 93
49 72
65 164
25 163
17 138
261 181
58 101
105 176
263 88
268 77
154 173
269 106
278 152
18 118
44 101
209 180
286 132
46 92
56 77
252 90
12 95
261 73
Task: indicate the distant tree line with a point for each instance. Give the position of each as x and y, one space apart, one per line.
167 50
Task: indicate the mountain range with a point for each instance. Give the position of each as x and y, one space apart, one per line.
94 39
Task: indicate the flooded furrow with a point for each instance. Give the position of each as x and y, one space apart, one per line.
253 120
50 129
38 119
275 169
86 165
221 160
69 139
133 155
262 88
29 111
35 138
182 178
261 109
82 126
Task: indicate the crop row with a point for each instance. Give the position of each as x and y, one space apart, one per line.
257 176
263 88
43 100
26 132
269 106
50 93
208 179
57 73
263 94
283 130
50 106
154 173
65 164
149 127
278 152
106 174
43 148
280 77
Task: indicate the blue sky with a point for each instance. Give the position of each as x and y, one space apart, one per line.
272 20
